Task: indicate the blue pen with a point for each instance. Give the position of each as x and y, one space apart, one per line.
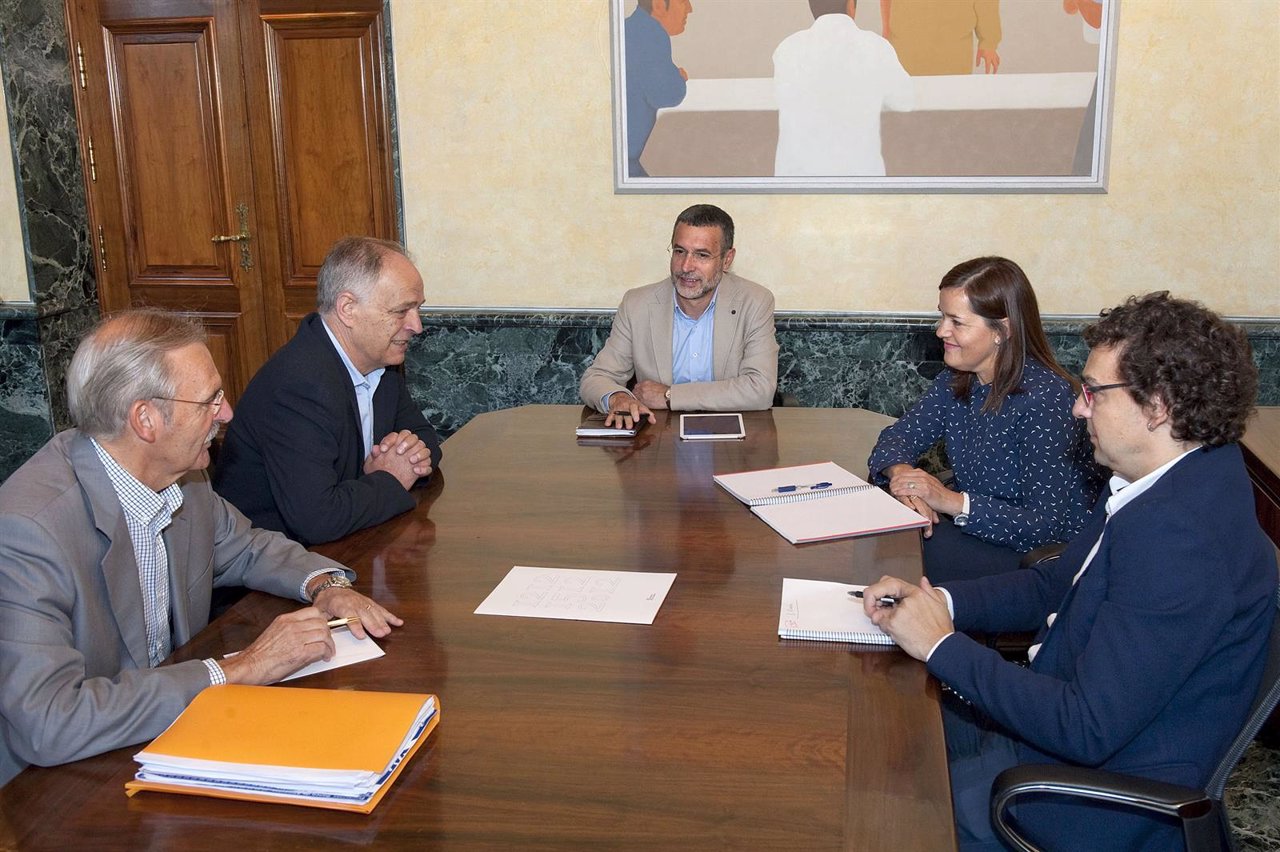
787 489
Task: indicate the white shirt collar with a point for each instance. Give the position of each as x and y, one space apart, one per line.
357 378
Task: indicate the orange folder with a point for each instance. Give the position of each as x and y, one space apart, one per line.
274 726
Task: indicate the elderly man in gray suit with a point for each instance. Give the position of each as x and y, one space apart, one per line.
701 340
111 541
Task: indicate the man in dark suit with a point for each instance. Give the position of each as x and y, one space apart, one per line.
1152 625
111 542
327 439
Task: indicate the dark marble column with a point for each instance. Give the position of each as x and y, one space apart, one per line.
36 71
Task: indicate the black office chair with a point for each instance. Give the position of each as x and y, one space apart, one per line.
1200 812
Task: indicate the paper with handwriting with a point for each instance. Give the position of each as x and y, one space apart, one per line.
579 594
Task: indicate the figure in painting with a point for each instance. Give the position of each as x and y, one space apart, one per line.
653 79
832 82
936 37
1090 12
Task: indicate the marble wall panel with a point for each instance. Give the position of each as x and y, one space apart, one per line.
34 64
60 334
463 366
468 363
24 405
37 77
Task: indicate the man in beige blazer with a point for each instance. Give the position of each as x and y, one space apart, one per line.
111 541
660 334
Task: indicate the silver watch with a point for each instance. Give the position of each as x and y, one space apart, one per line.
338 580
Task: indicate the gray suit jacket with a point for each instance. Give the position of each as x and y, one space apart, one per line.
74 680
744 349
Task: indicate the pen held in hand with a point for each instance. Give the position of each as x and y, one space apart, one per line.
885 600
343 622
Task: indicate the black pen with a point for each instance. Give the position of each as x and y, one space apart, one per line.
787 489
885 600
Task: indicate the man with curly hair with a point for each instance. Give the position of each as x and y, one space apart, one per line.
1153 624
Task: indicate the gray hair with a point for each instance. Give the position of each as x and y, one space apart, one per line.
352 265
707 216
122 360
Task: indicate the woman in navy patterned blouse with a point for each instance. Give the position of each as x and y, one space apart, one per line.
1024 474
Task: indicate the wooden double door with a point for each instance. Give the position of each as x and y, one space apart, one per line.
226 145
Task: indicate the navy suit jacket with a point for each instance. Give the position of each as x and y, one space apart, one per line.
1154 656
293 457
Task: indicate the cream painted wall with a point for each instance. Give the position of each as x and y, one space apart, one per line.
507 147
14 286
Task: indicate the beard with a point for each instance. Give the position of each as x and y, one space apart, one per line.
707 285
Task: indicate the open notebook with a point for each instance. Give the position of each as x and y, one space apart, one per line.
818 502
825 612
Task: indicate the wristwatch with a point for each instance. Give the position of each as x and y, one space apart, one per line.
667 395
962 519
335 580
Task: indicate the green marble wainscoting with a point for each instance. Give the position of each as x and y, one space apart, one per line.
466 363
469 362
25 418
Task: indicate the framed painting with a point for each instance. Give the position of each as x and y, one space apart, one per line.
862 95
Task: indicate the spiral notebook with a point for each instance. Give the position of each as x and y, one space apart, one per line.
818 502
823 611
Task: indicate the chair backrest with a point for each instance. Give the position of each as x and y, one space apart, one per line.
1264 702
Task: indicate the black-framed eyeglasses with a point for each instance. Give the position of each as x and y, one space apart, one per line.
216 402
1090 391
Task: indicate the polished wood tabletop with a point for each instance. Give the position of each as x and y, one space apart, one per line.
1261 446
700 731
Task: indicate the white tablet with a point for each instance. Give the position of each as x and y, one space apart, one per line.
711 427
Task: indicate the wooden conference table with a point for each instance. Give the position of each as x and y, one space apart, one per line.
702 730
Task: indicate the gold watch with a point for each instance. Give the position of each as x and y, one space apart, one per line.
335 580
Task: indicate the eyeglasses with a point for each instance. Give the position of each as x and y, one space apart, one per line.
216 402
700 256
1090 391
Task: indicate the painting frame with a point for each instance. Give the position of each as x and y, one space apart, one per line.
741 92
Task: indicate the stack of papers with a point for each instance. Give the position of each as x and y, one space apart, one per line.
260 743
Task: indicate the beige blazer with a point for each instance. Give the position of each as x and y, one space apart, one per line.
744 349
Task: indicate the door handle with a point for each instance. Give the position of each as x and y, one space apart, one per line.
246 259
242 211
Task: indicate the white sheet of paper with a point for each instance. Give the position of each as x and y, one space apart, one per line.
578 594
348 650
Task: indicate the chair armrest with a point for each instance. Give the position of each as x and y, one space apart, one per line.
1198 813
1043 553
